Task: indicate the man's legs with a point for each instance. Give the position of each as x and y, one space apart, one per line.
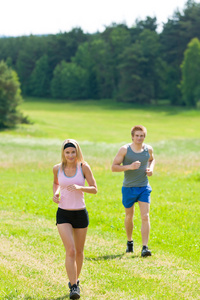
145 228
128 222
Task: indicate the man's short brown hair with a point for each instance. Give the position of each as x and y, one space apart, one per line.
138 128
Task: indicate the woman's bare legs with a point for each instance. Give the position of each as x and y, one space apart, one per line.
73 240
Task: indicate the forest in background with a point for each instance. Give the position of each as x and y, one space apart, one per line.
135 64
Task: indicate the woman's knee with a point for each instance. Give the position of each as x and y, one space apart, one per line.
71 252
79 252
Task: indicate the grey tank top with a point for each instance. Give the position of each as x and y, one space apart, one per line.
136 178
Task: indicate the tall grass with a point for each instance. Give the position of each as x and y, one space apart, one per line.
32 255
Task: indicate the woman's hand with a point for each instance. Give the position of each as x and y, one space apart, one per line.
73 187
56 198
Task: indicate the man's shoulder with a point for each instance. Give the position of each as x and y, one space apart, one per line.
124 148
149 148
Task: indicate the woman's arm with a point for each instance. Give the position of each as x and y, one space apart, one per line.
56 187
92 186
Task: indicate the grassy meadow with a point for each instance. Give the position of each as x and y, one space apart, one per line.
31 252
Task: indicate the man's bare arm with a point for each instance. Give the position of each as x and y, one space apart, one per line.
117 162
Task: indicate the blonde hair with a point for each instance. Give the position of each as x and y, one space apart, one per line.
78 152
139 128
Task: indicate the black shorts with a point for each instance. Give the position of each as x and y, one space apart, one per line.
77 218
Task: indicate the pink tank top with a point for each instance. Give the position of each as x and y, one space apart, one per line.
71 200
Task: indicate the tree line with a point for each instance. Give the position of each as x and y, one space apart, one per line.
135 64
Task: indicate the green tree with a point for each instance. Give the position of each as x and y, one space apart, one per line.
176 34
141 70
149 23
130 84
74 81
10 97
94 57
71 79
56 85
117 37
63 46
190 68
32 49
40 78
84 59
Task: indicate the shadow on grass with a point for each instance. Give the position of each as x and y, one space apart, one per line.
57 298
33 298
109 257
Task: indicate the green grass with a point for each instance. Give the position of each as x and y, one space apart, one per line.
105 121
31 252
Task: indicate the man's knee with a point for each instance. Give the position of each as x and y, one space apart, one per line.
145 217
129 218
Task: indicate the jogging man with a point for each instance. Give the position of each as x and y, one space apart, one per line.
137 162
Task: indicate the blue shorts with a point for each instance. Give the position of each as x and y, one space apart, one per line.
130 195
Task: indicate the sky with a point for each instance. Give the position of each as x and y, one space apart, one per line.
25 17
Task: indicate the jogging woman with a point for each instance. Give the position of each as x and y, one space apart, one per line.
72 217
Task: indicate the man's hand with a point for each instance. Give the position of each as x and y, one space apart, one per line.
135 165
149 172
